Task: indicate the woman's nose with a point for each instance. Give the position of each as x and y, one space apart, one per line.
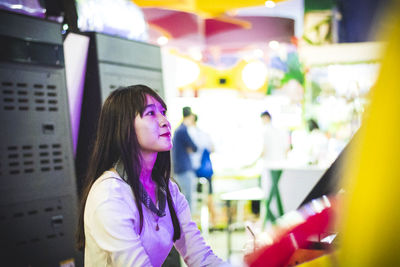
163 121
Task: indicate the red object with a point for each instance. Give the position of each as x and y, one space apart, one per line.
179 24
294 40
280 252
219 25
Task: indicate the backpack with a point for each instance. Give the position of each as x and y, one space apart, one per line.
205 170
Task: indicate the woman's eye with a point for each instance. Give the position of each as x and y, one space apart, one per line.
164 112
151 113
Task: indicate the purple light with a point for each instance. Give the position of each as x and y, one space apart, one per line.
27 7
75 53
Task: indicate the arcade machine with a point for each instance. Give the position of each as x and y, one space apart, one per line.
38 198
307 233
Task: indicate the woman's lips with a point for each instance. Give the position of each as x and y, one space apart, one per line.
166 134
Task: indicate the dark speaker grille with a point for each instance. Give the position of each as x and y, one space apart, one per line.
24 96
33 213
21 159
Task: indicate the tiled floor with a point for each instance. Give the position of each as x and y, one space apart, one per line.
217 240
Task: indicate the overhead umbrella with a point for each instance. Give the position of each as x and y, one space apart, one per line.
228 33
178 24
204 8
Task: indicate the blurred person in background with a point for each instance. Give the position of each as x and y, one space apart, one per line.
201 161
183 146
275 147
318 144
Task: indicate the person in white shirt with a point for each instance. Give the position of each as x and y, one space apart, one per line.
203 142
131 212
275 142
275 147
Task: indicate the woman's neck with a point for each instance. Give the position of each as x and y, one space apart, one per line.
148 161
145 176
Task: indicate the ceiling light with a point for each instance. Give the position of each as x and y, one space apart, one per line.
274 45
270 4
162 40
254 75
195 54
188 71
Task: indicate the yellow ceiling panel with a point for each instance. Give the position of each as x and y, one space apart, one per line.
201 7
182 5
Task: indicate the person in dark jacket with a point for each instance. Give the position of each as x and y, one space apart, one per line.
183 145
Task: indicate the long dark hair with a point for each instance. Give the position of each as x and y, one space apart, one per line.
116 140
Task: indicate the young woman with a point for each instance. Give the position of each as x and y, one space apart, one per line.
131 213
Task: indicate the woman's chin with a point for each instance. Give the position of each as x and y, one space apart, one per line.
167 148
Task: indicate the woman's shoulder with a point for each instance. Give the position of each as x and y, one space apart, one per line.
173 188
109 201
177 196
109 178
108 186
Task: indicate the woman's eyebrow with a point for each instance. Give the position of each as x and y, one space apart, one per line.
149 106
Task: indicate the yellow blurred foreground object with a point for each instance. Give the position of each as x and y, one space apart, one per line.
370 232
329 260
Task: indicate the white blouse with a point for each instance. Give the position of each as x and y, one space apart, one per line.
112 225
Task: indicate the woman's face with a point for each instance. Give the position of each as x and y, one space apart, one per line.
153 129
